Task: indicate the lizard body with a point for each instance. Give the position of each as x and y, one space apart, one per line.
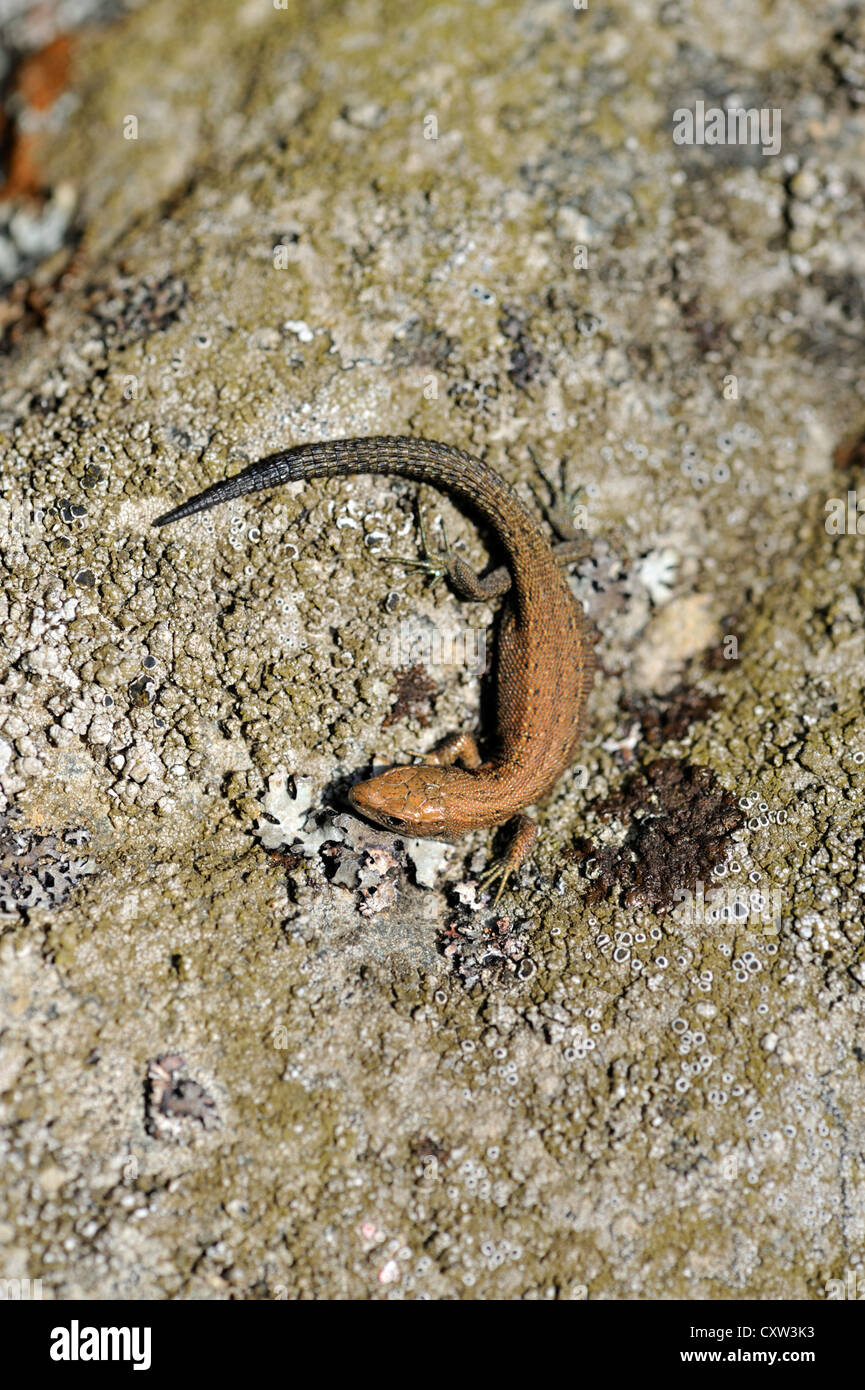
544 650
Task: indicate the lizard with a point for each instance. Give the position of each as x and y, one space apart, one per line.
545 653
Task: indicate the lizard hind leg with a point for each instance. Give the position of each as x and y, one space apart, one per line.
521 845
573 543
444 564
567 552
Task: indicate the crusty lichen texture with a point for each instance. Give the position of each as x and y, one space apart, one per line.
472 223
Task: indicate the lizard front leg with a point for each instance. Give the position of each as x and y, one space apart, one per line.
456 748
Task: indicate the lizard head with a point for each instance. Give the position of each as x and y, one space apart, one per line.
405 800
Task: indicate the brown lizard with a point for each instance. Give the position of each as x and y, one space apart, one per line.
545 647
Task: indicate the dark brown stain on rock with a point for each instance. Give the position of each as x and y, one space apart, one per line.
679 822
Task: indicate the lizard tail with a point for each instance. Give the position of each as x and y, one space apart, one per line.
425 460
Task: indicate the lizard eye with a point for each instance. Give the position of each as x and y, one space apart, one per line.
393 822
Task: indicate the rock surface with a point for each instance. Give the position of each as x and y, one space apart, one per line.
249 1048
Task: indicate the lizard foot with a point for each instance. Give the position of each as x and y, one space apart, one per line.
501 869
436 565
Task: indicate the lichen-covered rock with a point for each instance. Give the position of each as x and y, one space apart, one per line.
471 223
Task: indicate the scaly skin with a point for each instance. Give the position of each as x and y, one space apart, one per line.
545 658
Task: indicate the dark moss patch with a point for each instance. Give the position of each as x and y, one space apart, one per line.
679 822
413 694
671 715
